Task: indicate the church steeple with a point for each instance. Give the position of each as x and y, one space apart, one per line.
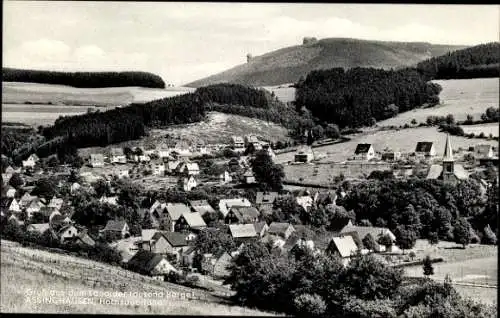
448 152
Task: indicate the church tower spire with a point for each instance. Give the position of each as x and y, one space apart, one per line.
448 151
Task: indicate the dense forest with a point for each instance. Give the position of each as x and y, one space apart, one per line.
236 94
478 61
84 79
360 96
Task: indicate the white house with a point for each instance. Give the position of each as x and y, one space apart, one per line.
483 151
11 192
304 154
31 161
364 152
122 173
226 204
190 169
225 177
189 183
425 150
163 153
305 201
67 232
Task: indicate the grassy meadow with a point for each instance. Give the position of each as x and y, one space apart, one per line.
458 97
27 271
486 129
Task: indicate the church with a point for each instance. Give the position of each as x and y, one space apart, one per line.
449 171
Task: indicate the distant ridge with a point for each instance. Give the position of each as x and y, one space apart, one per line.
288 64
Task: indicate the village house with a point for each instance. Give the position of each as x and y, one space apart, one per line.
6 178
122 173
242 232
425 150
217 265
263 199
183 148
96 160
248 177
343 246
10 192
238 143
226 204
305 201
304 155
225 177
31 161
449 171
151 264
116 229
56 203
89 178
241 215
364 152
159 169
201 206
83 239
163 153
75 187
117 156
172 166
261 228
34 207
483 151
161 242
173 211
67 232
189 183
191 221
25 200
10 205
281 229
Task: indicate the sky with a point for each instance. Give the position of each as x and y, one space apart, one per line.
183 42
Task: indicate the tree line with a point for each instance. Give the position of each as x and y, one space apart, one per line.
84 79
474 62
361 96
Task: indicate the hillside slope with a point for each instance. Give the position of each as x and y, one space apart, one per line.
288 64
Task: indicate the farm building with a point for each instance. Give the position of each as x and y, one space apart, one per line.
449 171
364 152
425 150
304 154
241 215
96 160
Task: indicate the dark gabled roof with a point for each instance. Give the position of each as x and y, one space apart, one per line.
266 197
362 148
144 261
115 225
423 146
175 239
243 212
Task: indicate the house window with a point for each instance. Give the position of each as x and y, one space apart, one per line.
448 168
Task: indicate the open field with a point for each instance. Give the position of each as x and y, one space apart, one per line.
487 129
14 92
404 140
458 97
283 92
477 264
27 271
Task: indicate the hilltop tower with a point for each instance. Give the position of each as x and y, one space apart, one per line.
448 162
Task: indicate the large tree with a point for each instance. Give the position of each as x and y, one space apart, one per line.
461 232
266 172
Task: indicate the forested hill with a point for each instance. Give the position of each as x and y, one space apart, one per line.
474 62
288 65
84 79
362 96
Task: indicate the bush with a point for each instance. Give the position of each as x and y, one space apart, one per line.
308 305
